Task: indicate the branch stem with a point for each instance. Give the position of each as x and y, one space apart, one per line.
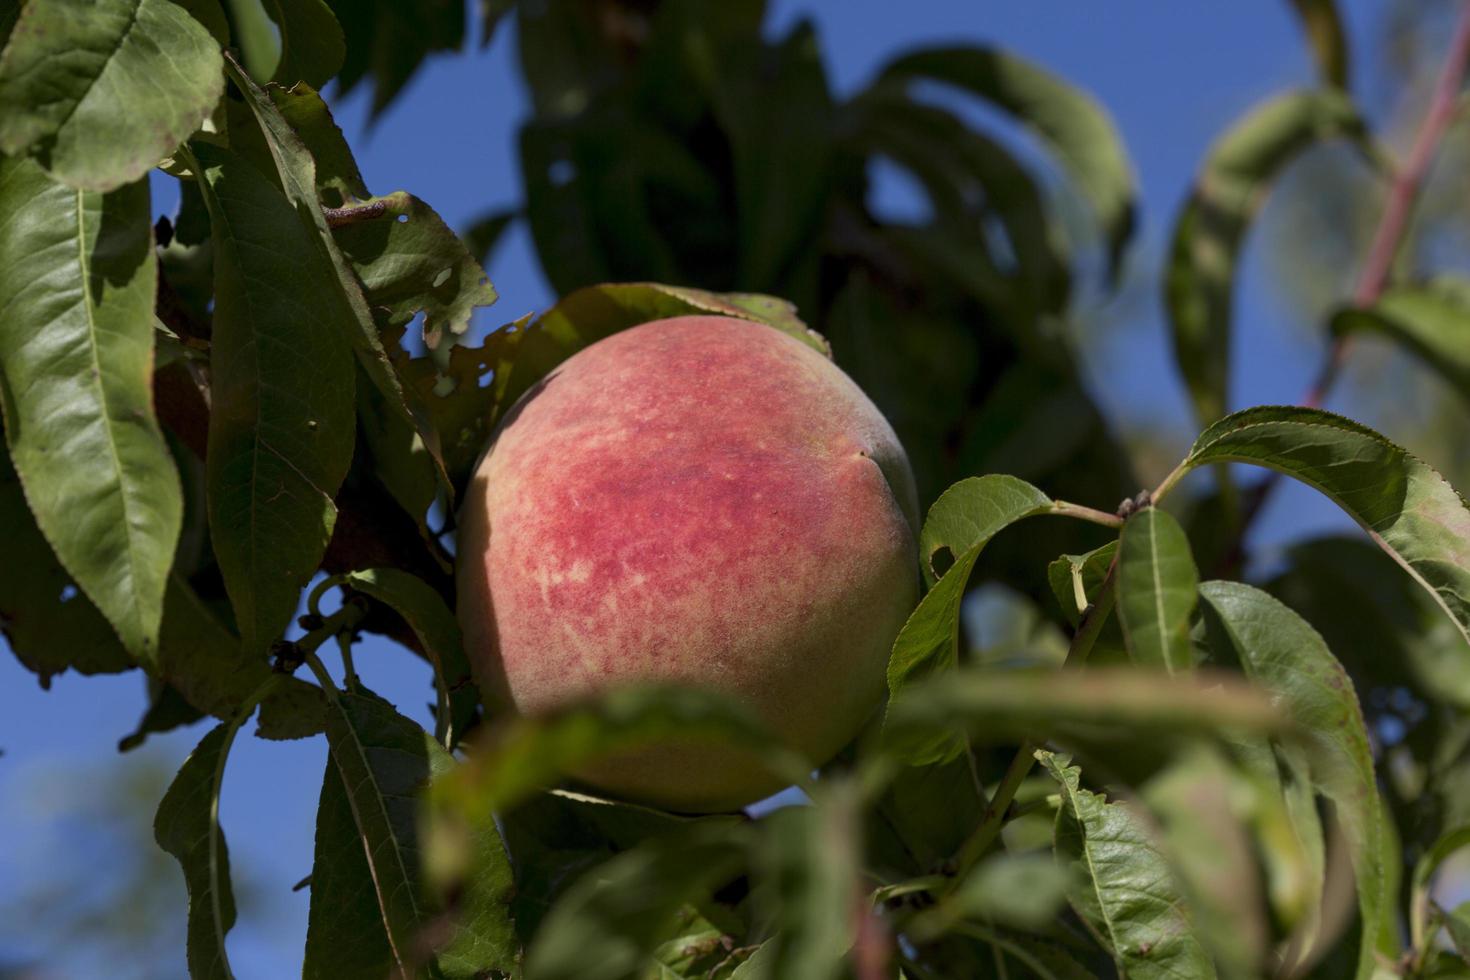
1067 509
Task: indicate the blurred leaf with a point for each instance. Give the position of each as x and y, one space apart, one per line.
608 924
47 622
807 871
80 84
77 276
434 624
389 41
928 811
1126 889
281 429
1457 925
1196 802
1328 40
484 235
1037 705
1278 650
1424 870
960 524
1237 174
778 108
312 48
1403 504
1075 125
187 826
410 262
524 754
372 910
1156 590
1021 890
698 950
1432 320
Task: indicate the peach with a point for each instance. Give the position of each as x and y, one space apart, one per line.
700 500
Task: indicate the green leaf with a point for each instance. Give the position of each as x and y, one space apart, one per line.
1092 569
187 826
47 622
807 871
1126 890
527 754
335 172
1020 890
99 92
1156 590
1325 33
924 815
281 429
960 524
434 624
1432 320
401 461
409 261
373 861
609 922
1457 924
390 42
482 237
1014 705
393 761
1405 506
1078 129
77 277
1278 650
1211 228
1429 862
312 47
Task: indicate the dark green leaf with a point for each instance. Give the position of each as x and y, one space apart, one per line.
1011 705
337 178
1126 890
960 524
608 924
77 275
1078 129
374 864
1403 504
390 41
100 90
1020 890
484 235
1432 320
807 872
925 814
526 754
434 624
1071 573
400 460
1328 39
312 48
410 262
1278 650
166 711
1156 590
281 429
1237 173
187 826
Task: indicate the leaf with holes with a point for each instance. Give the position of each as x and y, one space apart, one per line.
1126 891
1432 320
281 429
1077 128
1209 231
77 273
1156 590
1279 651
99 91
961 522
1403 504
187 826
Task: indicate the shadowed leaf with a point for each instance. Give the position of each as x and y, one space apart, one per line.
312 47
1432 320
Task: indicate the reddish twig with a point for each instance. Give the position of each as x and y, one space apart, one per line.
1408 181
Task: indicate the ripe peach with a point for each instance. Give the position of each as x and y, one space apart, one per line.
699 500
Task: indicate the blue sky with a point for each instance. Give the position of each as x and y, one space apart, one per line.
1172 73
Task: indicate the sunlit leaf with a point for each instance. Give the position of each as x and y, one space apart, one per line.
434 624
187 826
77 275
1403 504
608 924
281 429
1323 26
100 90
1126 890
1156 590
1075 125
1432 320
1278 650
1208 234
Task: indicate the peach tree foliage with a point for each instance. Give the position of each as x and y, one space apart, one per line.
211 421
